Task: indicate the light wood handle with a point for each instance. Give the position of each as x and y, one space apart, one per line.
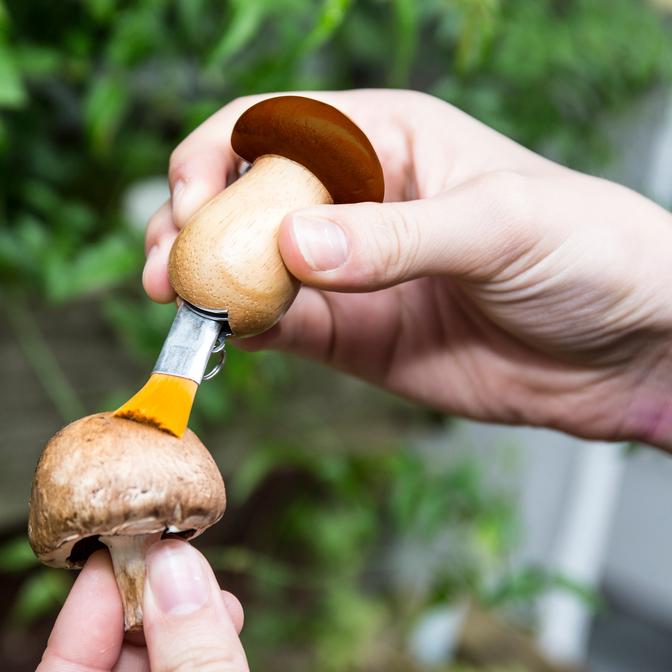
227 256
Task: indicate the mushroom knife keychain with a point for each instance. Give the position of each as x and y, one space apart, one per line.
225 264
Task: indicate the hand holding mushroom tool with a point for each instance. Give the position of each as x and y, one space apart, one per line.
127 479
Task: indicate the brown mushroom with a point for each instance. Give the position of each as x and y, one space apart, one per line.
107 481
304 152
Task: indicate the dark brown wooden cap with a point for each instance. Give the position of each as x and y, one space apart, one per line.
317 136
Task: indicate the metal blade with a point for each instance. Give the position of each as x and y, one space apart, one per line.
194 335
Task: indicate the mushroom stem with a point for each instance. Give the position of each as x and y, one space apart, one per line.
128 559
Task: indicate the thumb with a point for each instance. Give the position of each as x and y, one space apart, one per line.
470 231
186 623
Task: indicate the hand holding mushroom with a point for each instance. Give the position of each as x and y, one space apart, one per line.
109 482
189 623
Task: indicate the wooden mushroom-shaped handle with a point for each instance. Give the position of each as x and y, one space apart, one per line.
303 152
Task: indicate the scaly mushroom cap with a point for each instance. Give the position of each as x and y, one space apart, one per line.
104 475
317 136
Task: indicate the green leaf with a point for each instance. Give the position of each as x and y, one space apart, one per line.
105 265
24 245
191 15
106 103
101 10
406 29
16 555
37 61
478 28
12 90
40 196
530 583
138 33
329 19
40 595
246 17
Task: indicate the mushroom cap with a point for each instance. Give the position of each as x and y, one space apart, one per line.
104 475
317 136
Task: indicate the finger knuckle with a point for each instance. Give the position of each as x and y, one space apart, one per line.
159 217
507 194
396 243
176 163
180 157
499 206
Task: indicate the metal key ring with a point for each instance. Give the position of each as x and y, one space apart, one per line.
221 359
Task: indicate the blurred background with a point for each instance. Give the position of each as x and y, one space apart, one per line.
363 533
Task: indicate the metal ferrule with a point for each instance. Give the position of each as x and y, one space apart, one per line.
190 342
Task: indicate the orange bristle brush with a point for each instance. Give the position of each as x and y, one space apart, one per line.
164 401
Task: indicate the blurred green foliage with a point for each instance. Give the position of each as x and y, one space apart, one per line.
94 94
362 545
41 592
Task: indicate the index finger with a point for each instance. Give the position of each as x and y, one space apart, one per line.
93 607
204 161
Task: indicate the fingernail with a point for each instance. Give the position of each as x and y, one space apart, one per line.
177 577
187 197
322 244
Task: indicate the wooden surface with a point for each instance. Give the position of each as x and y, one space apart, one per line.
227 257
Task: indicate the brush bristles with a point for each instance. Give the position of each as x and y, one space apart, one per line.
164 402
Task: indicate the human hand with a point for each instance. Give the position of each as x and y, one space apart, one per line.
190 624
492 284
